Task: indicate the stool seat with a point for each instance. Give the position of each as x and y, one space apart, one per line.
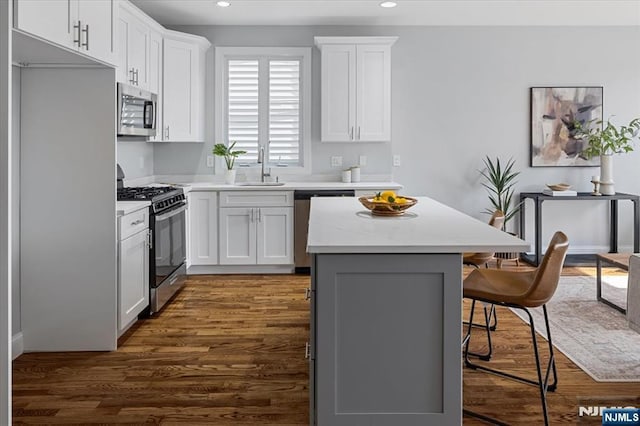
499 285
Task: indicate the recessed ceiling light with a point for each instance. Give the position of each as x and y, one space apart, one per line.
388 4
223 4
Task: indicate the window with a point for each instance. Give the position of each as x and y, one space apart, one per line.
265 104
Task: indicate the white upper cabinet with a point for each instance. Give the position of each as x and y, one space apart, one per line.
95 19
133 48
86 26
183 88
356 88
47 19
155 78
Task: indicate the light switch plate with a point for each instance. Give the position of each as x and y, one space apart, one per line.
362 161
336 161
209 160
396 161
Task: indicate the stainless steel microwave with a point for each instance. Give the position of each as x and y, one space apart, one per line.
137 111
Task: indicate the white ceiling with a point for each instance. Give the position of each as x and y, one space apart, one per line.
408 12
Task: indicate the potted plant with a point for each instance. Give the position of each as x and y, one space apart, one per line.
500 181
229 155
604 141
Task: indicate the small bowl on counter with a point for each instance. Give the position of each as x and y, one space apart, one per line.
380 207
558 186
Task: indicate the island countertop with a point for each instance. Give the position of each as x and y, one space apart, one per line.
343 225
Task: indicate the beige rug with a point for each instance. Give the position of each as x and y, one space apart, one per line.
593 335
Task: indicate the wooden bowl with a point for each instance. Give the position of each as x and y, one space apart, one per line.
558 186
381 208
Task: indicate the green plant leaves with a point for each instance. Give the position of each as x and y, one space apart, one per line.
221 150
607 139
500 182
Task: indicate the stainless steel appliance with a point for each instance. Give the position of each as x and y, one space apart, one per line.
302 204
168 251
137 111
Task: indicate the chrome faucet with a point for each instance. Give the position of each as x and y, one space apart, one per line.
261 160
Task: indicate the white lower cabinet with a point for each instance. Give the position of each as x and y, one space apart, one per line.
261 234
133 268
203 228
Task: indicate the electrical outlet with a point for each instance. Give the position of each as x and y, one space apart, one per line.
209 160
362 161
336 161
141 162
396 161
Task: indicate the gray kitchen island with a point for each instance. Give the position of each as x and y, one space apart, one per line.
386 297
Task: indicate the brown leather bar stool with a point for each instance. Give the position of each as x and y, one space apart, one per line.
476 260
521 290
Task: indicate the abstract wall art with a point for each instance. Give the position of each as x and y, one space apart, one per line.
553 112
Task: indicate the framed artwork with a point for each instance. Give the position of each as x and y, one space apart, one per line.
553 112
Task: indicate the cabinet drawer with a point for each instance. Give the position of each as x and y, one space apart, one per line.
133 222
256 198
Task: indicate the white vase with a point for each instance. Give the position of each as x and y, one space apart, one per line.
230 177
606 175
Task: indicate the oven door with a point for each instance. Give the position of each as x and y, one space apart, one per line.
168 251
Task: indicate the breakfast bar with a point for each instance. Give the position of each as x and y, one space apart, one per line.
386 311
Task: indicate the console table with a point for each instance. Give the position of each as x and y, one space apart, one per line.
538 198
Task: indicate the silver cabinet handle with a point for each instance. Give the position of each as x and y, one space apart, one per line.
251 216
86 37
307 350
136 76
150 236
137 222
166 132
358 132
132 80
307 293
259 215
79 39
351 133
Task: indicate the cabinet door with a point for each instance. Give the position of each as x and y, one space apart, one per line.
47 19
203 224
181 62
373 94
155 79
338 75
275 235
96 19
237 236
133 277
138 56
123 31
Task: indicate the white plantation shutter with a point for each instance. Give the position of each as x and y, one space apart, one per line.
243 107
284 111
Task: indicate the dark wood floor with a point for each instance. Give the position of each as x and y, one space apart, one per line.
229 350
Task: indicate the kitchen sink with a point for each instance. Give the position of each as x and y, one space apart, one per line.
260 183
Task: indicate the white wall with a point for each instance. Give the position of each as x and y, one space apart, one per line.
5 212
15 200
136 158
458 94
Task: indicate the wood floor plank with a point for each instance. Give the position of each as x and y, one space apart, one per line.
229 350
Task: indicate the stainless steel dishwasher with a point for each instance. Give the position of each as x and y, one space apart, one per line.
302 203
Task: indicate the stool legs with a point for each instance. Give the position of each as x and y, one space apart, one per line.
541 383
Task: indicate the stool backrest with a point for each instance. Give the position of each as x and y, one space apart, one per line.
548 273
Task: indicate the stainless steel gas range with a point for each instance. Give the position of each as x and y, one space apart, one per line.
167 223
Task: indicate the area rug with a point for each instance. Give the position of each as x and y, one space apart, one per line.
593 335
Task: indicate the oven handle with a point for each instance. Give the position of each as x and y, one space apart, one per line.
171 213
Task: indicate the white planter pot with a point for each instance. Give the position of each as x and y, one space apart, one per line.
606 175
230 177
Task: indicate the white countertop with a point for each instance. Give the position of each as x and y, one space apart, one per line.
126 207
343 225
289 186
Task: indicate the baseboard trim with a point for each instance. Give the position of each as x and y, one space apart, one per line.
17 345
240 269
